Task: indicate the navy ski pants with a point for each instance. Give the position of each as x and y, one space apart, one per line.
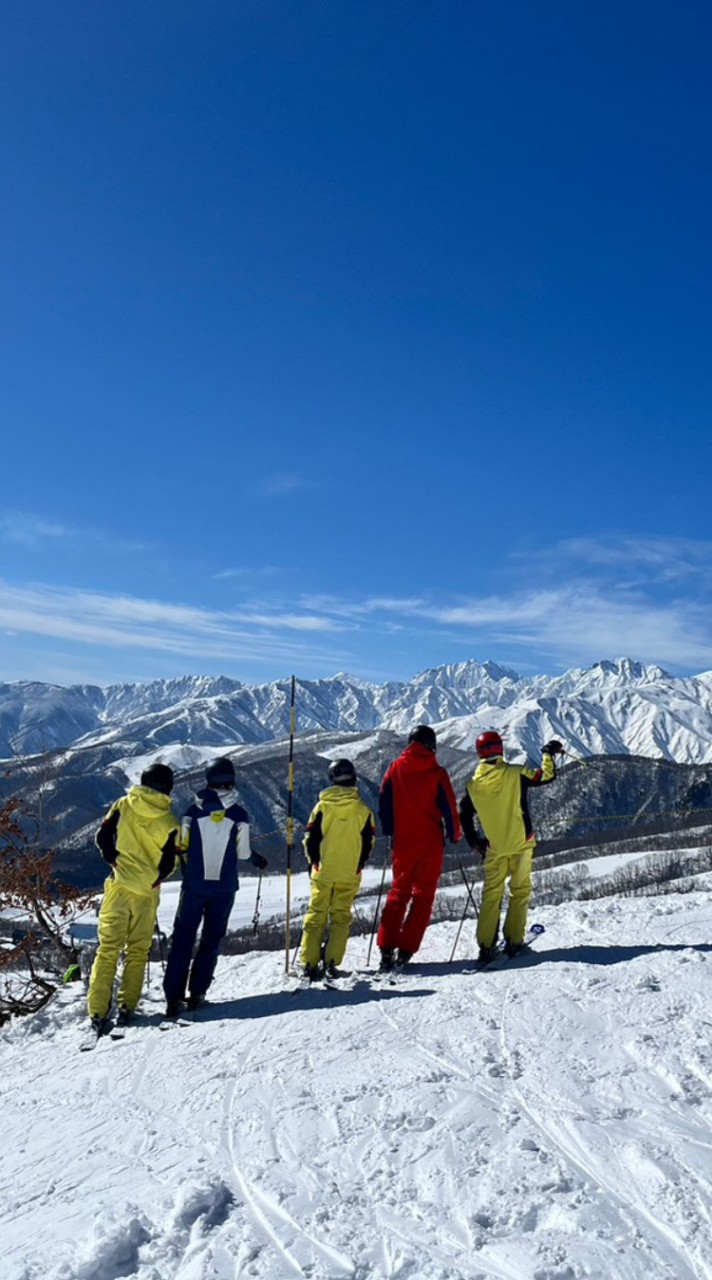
213 911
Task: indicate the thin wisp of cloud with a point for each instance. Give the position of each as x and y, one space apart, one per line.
593 612
278 485
28 530
666 560
128 622
33 532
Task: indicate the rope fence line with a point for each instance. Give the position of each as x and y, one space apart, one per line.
654 813
608 817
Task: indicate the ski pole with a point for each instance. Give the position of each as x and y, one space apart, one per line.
468 886
160 937
389 849
469 899
256 916
290 822
591 764
295 953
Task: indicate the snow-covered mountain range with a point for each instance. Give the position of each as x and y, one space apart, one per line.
70 752
612 708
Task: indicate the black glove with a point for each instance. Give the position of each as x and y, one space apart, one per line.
554 748
481 846
258 860
361 864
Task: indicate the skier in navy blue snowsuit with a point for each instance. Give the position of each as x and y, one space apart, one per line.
215 834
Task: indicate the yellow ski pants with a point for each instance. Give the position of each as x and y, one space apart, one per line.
498 866
126 923
330 906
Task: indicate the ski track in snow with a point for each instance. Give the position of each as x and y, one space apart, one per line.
548 1120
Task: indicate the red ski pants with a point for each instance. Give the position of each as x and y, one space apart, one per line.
409 904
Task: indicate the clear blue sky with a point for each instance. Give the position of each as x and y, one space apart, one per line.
355 335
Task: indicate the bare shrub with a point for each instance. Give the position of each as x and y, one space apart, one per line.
38 910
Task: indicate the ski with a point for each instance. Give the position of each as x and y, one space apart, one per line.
345 983
301 985
167 1024
384 977
533 932
324 982
342 980
296 981
501 959
123 1021
93 1037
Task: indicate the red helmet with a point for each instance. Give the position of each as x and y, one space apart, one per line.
489 744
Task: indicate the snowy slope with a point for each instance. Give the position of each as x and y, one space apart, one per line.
548 1121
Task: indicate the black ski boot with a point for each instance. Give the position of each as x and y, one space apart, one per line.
403 957
173 1008
512 949
387 960
124 1016
195 1002
487 955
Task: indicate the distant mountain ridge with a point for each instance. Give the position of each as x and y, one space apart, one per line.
70 752
613 707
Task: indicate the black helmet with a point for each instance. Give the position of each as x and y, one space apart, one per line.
221 774
159 777
425 736
342 773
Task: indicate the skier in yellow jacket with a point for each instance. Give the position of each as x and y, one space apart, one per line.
340 836
497 794
138 838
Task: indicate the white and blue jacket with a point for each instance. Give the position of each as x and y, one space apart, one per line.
215 836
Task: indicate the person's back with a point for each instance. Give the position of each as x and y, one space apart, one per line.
145 820
498 792
497 795
343 817
416 799
138 840
339 838
215 834
418 810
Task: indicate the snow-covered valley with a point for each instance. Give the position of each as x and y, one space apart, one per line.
551 1120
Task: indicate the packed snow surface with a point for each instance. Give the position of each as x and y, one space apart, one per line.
548 1120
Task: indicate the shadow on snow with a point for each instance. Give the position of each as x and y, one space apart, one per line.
245 1008
584 953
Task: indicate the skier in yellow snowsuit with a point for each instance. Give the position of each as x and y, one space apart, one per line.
340 836
138 838
497 794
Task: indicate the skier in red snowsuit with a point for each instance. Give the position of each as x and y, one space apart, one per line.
417 808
